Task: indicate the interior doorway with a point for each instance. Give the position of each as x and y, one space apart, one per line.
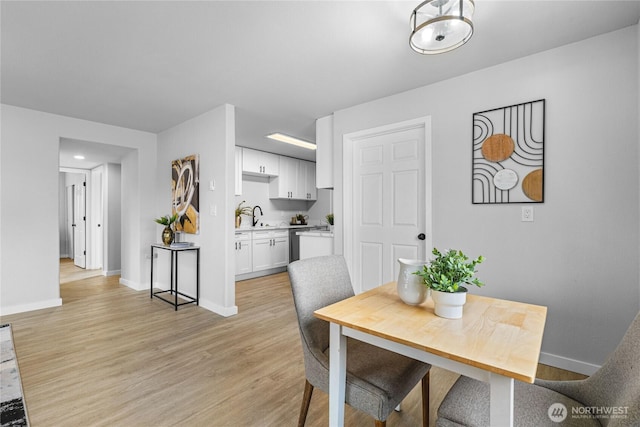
90 194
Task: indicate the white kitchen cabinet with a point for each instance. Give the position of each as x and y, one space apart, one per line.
238 174
296 180
260 163
270 249
244 262
307 180
285 185
315 243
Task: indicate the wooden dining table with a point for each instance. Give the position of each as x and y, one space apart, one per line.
496 341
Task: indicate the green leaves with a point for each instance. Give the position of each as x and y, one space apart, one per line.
449 270
243 210
167 220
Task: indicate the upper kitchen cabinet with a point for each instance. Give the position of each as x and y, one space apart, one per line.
324 152
307 180
296 180
260 163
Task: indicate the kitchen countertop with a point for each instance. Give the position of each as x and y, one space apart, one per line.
316 233
276 227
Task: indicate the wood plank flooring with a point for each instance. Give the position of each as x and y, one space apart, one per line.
111 356
70 273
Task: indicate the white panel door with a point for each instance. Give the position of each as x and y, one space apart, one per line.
79 226
96 219
388 204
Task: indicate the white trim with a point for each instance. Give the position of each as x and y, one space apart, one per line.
218 309
31 307
133 285
568 364
111 272
347 187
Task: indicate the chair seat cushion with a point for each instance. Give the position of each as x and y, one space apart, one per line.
390 377
467 404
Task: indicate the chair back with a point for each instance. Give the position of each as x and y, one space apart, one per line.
617 383
316 283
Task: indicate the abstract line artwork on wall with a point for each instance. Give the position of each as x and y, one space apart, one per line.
508 154
185 195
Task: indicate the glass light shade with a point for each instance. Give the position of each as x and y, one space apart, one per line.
438 26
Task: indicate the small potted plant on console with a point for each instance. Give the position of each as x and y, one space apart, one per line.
167 232
445 276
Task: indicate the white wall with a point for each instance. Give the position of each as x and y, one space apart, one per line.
62 215
212 137
580 256
29 194
112 218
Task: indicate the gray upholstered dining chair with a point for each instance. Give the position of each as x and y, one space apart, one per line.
613 387
377 380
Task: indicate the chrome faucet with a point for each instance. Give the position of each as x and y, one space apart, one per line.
255 221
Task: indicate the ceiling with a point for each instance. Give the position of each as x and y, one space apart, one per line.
151 65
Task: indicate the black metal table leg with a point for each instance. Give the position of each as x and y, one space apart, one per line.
151 284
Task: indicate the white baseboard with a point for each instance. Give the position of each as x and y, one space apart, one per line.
568 364
31 307
218 309
111 273
133 285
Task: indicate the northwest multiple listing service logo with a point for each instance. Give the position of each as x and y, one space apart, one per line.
558 412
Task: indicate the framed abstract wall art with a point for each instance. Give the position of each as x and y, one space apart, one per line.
508 154
185 194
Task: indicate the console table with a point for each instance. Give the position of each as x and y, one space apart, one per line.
175 250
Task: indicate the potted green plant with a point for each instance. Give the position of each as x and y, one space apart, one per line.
242 210
329 219
445 276
167 233
302 219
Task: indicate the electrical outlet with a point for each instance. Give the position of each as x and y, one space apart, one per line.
527 213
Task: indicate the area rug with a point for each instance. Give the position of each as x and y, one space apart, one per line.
13 410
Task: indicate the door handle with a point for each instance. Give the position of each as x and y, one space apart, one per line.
421 236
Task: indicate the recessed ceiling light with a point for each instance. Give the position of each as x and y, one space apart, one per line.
78 157
292 140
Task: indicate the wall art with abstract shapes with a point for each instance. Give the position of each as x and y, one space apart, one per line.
508 154
185 195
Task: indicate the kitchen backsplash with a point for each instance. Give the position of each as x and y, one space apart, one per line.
255 191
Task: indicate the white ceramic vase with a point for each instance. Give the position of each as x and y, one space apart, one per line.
449 304
410 287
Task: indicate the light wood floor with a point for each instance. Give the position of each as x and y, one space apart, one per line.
70 273
111 356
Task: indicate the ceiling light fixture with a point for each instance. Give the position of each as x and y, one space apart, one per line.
78 157
292 140
438 26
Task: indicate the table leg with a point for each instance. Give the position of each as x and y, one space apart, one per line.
151 284
337 374
197 276
174 279
501 401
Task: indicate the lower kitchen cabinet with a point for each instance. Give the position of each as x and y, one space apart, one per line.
270 249
244 261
